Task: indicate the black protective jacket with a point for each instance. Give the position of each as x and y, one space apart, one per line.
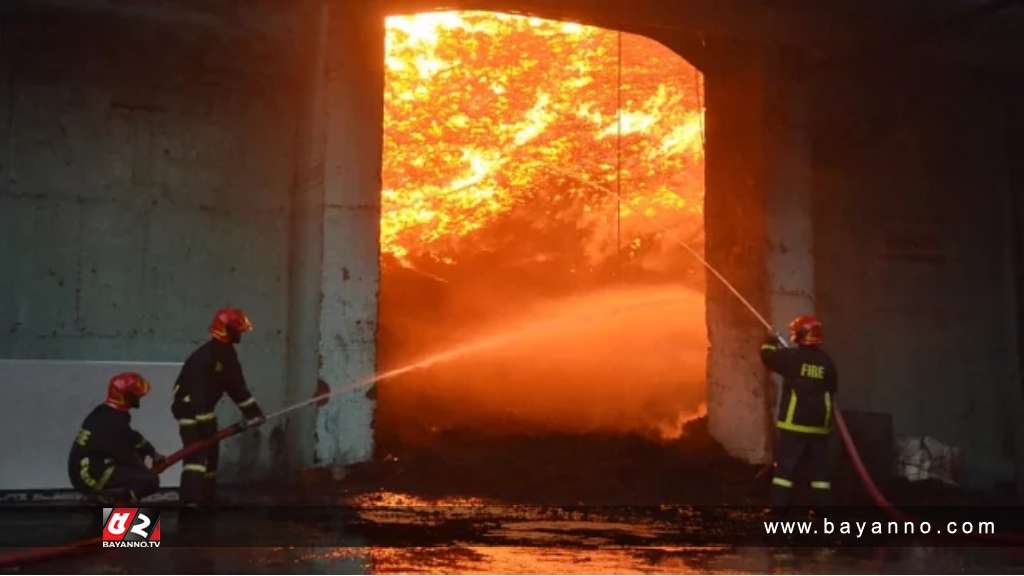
210 372
105 440
808 387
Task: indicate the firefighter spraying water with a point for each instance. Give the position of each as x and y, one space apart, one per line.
805 413
208 373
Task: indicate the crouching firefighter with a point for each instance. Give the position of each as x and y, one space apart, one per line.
107 459
207 374
805 410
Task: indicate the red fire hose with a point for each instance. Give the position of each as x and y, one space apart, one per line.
197 446
858 465
323 392
33 555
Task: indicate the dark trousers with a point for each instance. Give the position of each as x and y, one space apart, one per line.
794 449
137 481
199 470
125 483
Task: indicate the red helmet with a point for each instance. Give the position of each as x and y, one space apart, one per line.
229 324
806 331
125 390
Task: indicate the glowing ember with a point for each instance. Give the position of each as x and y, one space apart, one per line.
490 114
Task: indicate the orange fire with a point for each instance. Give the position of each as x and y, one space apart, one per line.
538 173
491 116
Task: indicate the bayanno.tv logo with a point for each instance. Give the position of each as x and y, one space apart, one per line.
131 528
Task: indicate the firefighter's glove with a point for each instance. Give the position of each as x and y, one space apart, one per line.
156 459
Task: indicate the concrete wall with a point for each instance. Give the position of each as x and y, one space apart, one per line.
891 214
157 163
914 248
145 175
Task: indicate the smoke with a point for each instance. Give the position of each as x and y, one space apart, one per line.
620 360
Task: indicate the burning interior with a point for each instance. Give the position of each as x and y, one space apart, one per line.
539 178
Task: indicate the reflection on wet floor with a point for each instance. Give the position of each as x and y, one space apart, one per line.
457 559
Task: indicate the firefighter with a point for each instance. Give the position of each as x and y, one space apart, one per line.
805 411
107 459
209 372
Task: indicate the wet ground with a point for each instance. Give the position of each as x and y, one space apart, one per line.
550 560
398 533
462 504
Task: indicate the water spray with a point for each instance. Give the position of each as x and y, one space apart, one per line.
735 292
869 484
324 393
320 398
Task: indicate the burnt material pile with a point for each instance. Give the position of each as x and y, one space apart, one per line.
566 469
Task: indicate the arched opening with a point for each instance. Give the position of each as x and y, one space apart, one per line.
540 180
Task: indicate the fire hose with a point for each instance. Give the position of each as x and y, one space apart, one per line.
32 555
844 433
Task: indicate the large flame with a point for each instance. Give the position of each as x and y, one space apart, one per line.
537 171
488 115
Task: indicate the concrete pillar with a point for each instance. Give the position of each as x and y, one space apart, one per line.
335 221
759 235
788 207
788 199
349 272
306 235
738 392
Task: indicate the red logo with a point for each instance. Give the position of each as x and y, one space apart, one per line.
131 528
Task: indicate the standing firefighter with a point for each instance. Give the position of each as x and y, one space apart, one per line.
107 458
805 410
209 372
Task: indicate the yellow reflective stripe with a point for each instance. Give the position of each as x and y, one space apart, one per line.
105 477
828 409
209 474
194 468
186 422
771 347
801 428
206 416
782 482
84 474
792 407
821 485
247 403
788 423
82 439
